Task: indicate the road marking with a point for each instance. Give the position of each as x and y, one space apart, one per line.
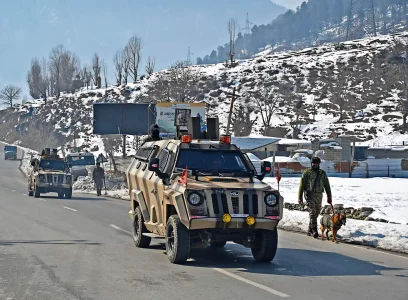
13 190
24 194
69 208
260 286
42 199
120 229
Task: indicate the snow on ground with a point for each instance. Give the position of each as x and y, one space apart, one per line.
388 196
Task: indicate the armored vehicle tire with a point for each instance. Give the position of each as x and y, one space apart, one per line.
60 195
217 244
36 192
138 228
30 191
177 241
268 245
68 193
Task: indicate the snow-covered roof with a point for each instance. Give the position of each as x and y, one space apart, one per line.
250 143
293 142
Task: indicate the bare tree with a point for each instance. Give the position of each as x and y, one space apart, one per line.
96 67
150 64
340 96
45 80
295 119
134 47
178 84
267 102
126 64
86 76
9 94
55 69
70 66
232 26
241 120
118 63
105 72
34 78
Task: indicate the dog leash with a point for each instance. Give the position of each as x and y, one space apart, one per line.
332 208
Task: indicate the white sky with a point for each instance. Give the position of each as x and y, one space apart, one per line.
292 4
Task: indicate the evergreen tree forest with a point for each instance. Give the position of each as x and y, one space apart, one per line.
315 22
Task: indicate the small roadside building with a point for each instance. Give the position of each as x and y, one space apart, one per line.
262 147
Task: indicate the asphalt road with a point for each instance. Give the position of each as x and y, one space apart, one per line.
80 248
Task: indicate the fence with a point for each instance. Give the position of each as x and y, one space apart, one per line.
392 168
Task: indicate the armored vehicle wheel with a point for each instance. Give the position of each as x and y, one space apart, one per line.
36 192
30 191
217 244
268 244
60 195
68 194
177 240
138 229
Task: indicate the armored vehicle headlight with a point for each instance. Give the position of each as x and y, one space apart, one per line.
68 177
250 220
195 198
271 199
41 176
226 218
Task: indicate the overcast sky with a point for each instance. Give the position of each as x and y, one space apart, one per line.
291 4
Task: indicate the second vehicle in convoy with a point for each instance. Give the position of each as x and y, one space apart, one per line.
50 174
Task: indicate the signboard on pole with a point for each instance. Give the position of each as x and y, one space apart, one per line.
170 115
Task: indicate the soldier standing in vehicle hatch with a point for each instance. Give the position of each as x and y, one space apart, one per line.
98 175
313 183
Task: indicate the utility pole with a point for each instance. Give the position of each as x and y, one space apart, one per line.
189 53
233 98
365 11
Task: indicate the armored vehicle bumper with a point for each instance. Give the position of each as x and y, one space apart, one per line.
236 223
52 187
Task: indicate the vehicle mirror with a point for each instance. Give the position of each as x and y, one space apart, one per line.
32 163
154 164
266 167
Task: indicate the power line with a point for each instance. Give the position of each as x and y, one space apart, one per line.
361 19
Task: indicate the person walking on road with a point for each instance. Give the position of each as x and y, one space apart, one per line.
313 183
154 134
98 175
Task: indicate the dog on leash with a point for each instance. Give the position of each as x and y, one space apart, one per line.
333 224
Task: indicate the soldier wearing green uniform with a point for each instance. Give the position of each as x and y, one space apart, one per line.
313 183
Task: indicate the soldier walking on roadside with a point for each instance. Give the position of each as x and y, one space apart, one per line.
313 183
98 176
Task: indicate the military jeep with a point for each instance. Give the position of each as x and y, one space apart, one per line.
202 193
50 174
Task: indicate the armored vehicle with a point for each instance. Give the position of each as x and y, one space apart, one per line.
50 174
202 193
78 162
10 152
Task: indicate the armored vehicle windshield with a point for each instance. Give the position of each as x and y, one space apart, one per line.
51 164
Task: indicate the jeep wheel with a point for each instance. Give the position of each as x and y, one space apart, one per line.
217 244
268 244
177 240
36 192
30 191
138 229
68 194
60 195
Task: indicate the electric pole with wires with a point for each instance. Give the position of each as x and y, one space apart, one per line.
361 19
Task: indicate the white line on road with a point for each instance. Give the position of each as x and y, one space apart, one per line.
69 208
13 190
24 194
42 199
260 286
120 229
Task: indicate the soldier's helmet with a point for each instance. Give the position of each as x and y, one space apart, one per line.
316 160
155 131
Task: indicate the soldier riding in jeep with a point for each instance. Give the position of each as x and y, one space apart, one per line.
50 173
199 193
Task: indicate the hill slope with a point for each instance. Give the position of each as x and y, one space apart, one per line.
280 95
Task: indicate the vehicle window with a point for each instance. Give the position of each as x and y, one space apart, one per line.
81 160
211 160
164 156
52 165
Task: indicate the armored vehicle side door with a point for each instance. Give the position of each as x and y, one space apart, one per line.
157 186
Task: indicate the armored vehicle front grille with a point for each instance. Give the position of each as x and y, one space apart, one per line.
215 203
59 179
224 180
249 201
224 203
235 205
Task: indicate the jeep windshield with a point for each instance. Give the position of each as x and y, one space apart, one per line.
52 165
212 162
88 160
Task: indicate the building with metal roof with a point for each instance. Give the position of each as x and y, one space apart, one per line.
262 147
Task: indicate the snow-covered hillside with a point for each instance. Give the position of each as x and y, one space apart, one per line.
354 71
